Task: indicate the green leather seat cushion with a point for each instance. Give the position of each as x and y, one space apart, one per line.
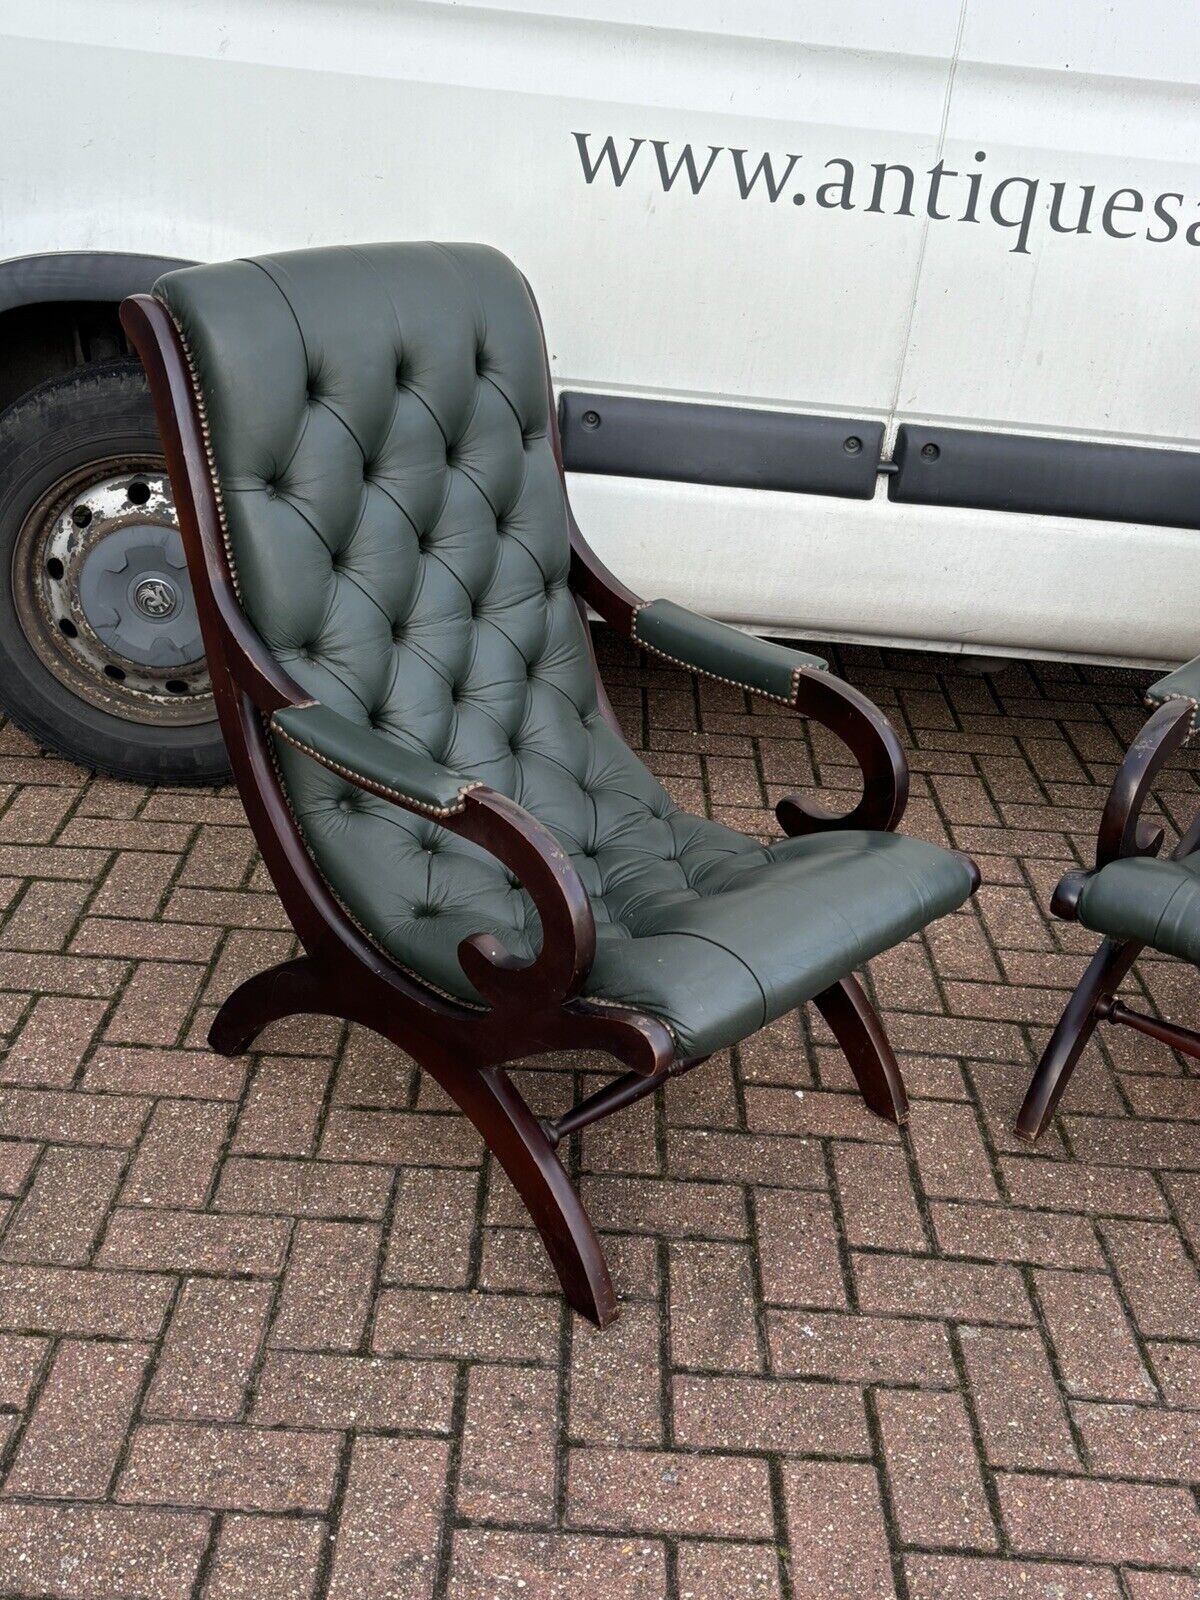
765 929
696 923
378 420
1155 902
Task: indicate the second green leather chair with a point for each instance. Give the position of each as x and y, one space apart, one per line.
1131 897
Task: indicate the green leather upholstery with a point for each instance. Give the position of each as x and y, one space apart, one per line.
722 652
1155 902
1182 684
396 521
372 761
750 931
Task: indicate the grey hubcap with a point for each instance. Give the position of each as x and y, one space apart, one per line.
103 595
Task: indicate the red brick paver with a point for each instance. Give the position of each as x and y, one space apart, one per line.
277 1327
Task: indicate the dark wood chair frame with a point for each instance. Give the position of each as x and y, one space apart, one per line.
1123 832
531 1007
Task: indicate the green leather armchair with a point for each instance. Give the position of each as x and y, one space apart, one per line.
1130 896
392 588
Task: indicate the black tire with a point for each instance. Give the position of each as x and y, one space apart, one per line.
91 414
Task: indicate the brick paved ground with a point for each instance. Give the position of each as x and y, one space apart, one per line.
273 1328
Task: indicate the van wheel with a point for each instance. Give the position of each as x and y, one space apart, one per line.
100 652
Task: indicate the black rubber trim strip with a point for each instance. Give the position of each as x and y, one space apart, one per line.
1052 477
79 275
631 437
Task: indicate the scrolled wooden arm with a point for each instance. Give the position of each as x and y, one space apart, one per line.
871 740
1123 832
856 721
489 819
544 869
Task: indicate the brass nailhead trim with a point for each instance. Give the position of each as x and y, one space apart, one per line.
630 1006
1161 700
372 785
702 672
206 438
365 932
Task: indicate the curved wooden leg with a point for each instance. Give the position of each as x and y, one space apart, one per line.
519 1143
1075 1027
283 991
857 1028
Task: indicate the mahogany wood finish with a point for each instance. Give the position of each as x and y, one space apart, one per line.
1075 1027
1122 830
622 1091
873 743
1169 1033
856 1027
531 1007
1123 833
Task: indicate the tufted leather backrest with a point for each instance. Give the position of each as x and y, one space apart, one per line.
395 518
396 522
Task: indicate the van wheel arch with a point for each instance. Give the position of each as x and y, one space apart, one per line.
60 310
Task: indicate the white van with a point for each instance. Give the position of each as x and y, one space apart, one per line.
873 322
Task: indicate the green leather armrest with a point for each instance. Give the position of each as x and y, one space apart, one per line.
721 652
374 763
1182 684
